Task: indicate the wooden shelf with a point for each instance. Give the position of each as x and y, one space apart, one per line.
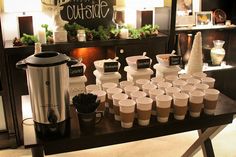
199 28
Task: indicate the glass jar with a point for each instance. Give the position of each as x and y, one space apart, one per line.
81 35
217 52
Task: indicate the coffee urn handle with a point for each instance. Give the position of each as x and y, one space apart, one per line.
72 61
21 64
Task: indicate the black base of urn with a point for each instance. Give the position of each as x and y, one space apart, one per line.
52 131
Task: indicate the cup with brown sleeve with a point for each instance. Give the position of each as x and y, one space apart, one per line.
152 94
195 103
180 105
210 101
116 98
144 108
163 103
110 92
127 108
101 96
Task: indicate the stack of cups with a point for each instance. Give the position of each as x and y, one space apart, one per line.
195 102
106 86
170 91
209 81
116 99
180 105
110 93
144 106
153 94
163 103
101 96
147 87
141 82
127 108
92 87
123 84
210 100
130 89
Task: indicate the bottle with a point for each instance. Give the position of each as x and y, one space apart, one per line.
81 35
217 52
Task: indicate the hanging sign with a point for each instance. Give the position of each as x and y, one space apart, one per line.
88 13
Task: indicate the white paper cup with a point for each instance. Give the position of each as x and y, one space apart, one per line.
137 94
179 83
153 94
199 75
108 85
193 81
92 87
201 86
127 108
116 98
144 106
147 87
101 96
185 76
210 100
123 84
195 102
209 81
163 104
110 92
171 90
130 89
171 78
164 85
141 82
156 80
187 88
180 105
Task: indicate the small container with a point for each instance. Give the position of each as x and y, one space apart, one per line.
81 35
217 52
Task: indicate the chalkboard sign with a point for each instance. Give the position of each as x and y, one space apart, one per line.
110 67
175 60
143 63
76 71
88 13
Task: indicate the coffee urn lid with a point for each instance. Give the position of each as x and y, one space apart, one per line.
47 58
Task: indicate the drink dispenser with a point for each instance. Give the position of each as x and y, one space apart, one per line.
48 85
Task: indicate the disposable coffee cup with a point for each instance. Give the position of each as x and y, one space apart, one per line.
171 78
137 94
164 85
130 89
193 81
157 79
147 87
108 85
110 92
195 103
209 81
123 84
153 94
163 104
201 86
171 90
141 82
127 113
144 106
199 75
92 87
101 96
179 83
210 101
180 105
116 98
187 88
185 76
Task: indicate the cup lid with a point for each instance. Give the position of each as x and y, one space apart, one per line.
142 81
120 96
163 98
138 94
196 93
127 102
212 91
149 86
207 79
180 96
114 90
109 85
131 88
144 100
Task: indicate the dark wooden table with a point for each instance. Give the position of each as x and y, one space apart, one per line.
109 131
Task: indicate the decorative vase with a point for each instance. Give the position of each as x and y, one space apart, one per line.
217 52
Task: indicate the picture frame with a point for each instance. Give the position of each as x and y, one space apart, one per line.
204 18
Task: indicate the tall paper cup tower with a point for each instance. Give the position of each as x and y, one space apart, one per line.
195 62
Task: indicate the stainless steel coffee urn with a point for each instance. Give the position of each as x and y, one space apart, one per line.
48 85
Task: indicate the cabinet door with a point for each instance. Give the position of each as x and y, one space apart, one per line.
151 47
